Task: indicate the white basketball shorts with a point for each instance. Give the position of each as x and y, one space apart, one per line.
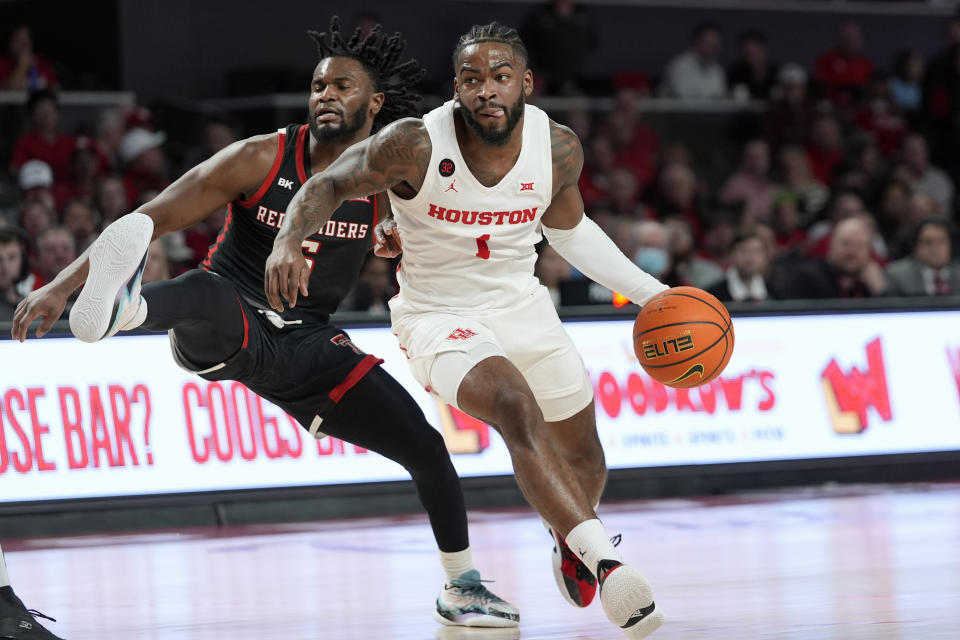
529 334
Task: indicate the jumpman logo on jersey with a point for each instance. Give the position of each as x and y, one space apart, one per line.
526 186
451 187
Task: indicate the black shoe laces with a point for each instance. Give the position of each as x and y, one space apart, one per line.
37 614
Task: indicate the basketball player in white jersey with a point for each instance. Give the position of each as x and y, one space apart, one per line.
472 187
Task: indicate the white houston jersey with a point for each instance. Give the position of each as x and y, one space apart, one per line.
467 246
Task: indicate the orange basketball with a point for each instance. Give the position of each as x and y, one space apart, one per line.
683 337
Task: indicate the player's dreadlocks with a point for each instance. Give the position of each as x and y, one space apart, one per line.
379 57
493 32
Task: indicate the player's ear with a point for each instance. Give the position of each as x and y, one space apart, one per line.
376 102
456 90
527 83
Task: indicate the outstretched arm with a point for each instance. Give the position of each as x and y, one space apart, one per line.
577 238
238 169
397 154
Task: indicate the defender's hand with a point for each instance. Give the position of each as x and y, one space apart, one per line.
47 302
388 239
286 274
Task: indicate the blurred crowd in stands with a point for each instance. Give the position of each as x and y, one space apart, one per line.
844 186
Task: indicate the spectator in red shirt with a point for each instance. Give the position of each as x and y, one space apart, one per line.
23 70
825 150
86 166
844 71
142 155
881 118
678 197
635 142
43 141
597 171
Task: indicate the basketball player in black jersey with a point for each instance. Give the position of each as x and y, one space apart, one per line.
217 316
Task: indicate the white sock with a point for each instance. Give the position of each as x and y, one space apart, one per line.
4 578
590 541
457 563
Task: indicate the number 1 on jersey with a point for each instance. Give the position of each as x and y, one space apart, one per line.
483 251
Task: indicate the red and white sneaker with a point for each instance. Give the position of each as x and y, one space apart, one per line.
577 585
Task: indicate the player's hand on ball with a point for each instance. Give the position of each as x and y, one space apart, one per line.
388 239
286 274
47 302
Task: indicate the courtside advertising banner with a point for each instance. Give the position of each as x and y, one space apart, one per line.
120 418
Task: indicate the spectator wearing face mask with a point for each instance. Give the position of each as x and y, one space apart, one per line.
646 241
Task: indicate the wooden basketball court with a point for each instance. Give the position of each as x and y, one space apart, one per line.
871 562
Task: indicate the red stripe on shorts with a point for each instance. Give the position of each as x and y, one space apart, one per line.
355 376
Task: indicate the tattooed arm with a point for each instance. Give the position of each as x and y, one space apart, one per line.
577 238
398 154
566 208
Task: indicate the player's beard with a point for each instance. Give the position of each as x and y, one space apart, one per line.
496 137
342 132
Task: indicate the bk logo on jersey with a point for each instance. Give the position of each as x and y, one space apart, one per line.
286 184
461 334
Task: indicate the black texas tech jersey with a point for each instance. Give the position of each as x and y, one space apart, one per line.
335 253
